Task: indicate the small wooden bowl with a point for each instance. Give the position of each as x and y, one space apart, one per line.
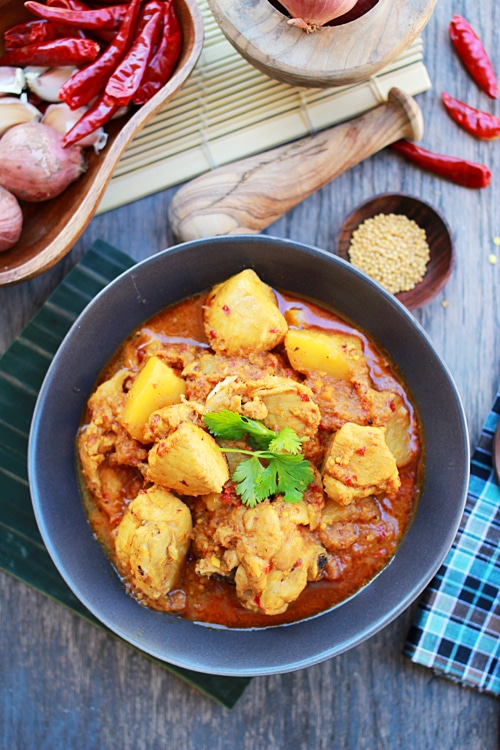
353 48
51 228
439 238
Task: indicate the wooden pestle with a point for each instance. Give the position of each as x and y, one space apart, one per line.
248 195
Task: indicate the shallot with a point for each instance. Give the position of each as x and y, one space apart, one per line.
312 14
11 220
34 165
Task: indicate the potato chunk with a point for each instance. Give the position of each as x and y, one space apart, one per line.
242 316
400 436
337 354
188 461
358 463
152 541
155 386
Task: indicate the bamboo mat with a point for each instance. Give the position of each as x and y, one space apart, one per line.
228 110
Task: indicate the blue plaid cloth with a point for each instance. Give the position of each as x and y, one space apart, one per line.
456 631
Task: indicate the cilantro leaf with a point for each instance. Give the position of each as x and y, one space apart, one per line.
228 425
286 441
275 467
295 474
246 477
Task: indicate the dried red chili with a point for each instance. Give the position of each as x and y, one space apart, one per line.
64 51
33 32
109 17
473 55
462 172
162 63
86 83
481 124
127 77
97 115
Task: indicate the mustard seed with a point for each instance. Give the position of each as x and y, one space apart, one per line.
392 249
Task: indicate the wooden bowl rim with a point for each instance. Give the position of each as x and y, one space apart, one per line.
13 270
257 31
422 293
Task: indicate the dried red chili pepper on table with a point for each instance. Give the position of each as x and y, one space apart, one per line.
473 55
462 172
162 63
127 77
64 51
109 17
481 124
88 82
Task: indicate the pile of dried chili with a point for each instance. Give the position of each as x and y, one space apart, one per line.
125 53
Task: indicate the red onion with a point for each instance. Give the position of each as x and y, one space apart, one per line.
311 14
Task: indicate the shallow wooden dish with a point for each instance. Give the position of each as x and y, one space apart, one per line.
51 228
439 238
335 55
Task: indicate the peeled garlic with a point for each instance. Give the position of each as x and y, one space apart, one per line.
46 82
312 14
61 118
12 80
13 111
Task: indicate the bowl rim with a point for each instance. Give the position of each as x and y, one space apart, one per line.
80 559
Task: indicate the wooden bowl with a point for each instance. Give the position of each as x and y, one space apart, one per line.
439 238
51 228
336 55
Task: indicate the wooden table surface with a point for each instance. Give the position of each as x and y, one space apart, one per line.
65 684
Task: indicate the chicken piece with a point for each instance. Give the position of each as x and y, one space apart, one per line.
289 404
146 343
241 316
104 446
203 375
164 421
358 463
268 548
276 401
152 542
188 461
236 395
341 401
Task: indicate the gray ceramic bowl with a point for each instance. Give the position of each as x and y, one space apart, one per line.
137 294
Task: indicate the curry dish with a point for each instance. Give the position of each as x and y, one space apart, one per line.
160 487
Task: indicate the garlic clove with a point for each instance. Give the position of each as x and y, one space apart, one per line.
46 82
13 111
312 14
12 80
61 118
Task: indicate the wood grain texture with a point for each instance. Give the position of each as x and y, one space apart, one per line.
66 684
250 194
51 228
330 56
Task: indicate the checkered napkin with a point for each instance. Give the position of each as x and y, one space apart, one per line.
456 631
